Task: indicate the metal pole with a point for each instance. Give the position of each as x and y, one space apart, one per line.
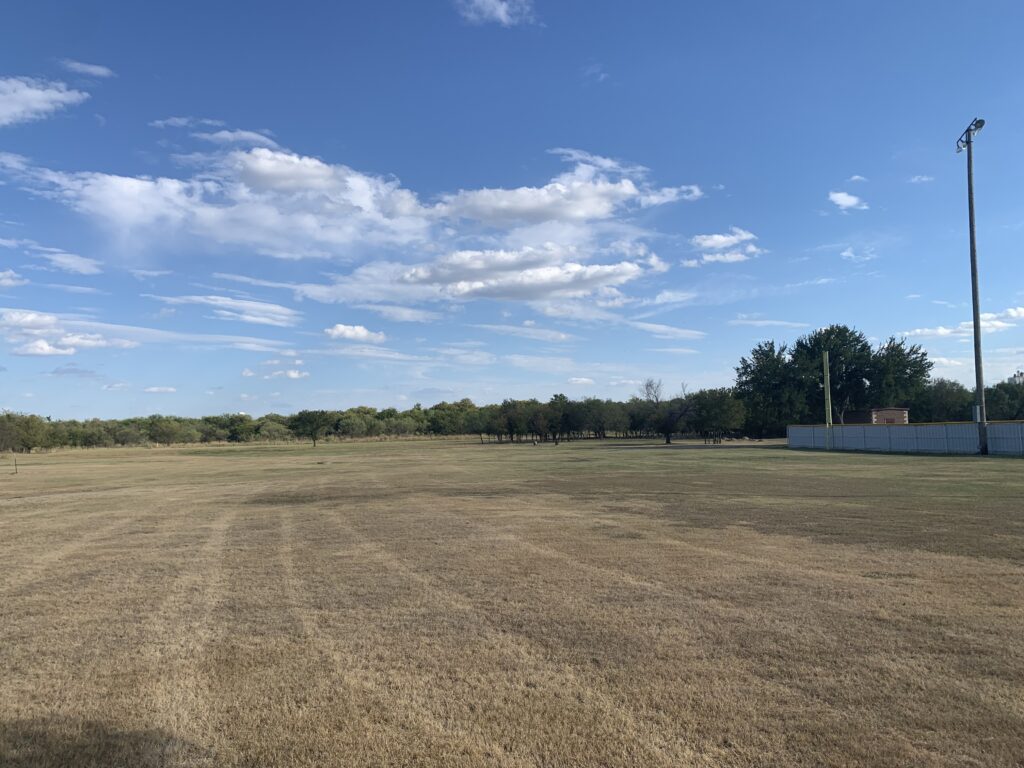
828 402
979 376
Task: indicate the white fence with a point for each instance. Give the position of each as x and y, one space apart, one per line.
1005 438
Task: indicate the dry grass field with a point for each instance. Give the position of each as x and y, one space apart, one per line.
452 604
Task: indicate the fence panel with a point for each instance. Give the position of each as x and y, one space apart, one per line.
1004 438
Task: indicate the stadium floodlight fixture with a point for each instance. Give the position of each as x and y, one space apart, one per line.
972 130
966 140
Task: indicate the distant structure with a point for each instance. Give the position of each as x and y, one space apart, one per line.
879 416
1017 378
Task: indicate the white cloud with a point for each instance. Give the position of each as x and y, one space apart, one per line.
273 201
528 332
91 70
39 333
242 310
596 188
41 347
507 13
376 353
991 322
675 351
758 322
660 331
920 179
236 137
160 390
401 314
70 262
149 274
247 372
289 374
11 279
674 297
847 202
185 122
355 333
581 380
594 71
690 263
857 177
946 362
23 99
728 257
19 326
720 242
858 257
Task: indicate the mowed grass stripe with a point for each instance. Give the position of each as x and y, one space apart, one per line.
437 603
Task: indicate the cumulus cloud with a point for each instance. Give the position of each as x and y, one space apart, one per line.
591 191
719 242
847 202
507 13
730 247
42 348
581 380
90 70
920 179
569 239
355 333
242 310
23 99
11 279
40 333
991 322
728 257
160 390
857 177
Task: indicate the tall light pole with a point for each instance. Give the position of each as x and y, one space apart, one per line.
966 140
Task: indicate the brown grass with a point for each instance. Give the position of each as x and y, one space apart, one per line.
418 604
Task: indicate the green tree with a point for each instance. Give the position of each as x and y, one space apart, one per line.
899 373
311 424
1005 401
768 386
715 410
942 400
850 369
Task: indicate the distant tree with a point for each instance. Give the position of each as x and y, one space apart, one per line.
270 429
899 373
942 400
663 415
1005 401
850 368
311 425
768 386
715 410
166 430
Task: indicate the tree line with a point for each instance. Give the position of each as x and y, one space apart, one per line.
775 386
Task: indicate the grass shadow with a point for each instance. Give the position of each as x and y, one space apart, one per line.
66 741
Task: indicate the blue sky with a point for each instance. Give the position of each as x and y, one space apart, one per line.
322 205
